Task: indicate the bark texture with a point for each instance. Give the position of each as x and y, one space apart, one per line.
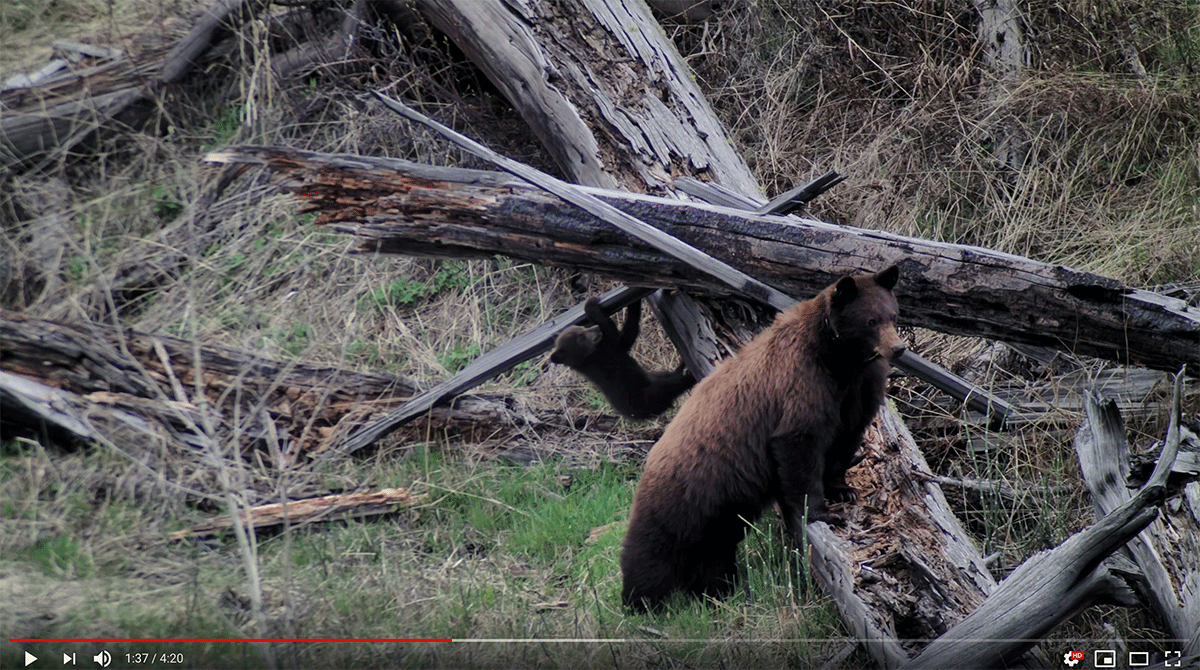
401 207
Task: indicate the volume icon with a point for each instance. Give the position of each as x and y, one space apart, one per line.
103 658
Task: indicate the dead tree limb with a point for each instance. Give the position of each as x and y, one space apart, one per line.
481 369
1167 552
401 207
1052 586
310 510
627 223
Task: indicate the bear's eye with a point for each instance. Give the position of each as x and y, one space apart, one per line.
871 323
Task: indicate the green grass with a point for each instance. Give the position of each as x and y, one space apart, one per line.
59 556
499 551
407 290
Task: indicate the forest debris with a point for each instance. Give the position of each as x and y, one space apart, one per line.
1168 551
134 374
1052 586
310 510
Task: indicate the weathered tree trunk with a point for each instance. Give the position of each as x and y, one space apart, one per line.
304 407
609 97
402 207
1168 551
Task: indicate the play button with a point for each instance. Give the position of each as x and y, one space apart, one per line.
29 658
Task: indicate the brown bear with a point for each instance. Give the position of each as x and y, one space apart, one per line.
780 421
601 354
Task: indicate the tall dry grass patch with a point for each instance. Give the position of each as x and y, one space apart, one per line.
1088 159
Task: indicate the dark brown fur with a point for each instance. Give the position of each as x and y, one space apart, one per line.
601 353
780 422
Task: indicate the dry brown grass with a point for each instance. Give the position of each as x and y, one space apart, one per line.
892 95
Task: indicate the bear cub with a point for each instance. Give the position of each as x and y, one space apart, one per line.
780 421
601 354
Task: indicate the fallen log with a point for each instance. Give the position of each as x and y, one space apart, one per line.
402 207
1168 551
1052 586
904 563
308 408
53 115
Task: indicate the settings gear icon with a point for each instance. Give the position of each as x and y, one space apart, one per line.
1072 658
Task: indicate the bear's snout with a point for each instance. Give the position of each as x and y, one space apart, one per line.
890 344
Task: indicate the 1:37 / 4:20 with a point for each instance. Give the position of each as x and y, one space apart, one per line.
166 658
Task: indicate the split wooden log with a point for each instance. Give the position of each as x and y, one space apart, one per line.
1168 551
402 207
310 510
921 576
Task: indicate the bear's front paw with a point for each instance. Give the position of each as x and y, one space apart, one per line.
841 493
831 518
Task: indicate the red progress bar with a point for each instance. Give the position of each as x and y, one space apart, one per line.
234 639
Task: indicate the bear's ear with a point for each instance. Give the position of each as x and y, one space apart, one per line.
888 278
845 292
